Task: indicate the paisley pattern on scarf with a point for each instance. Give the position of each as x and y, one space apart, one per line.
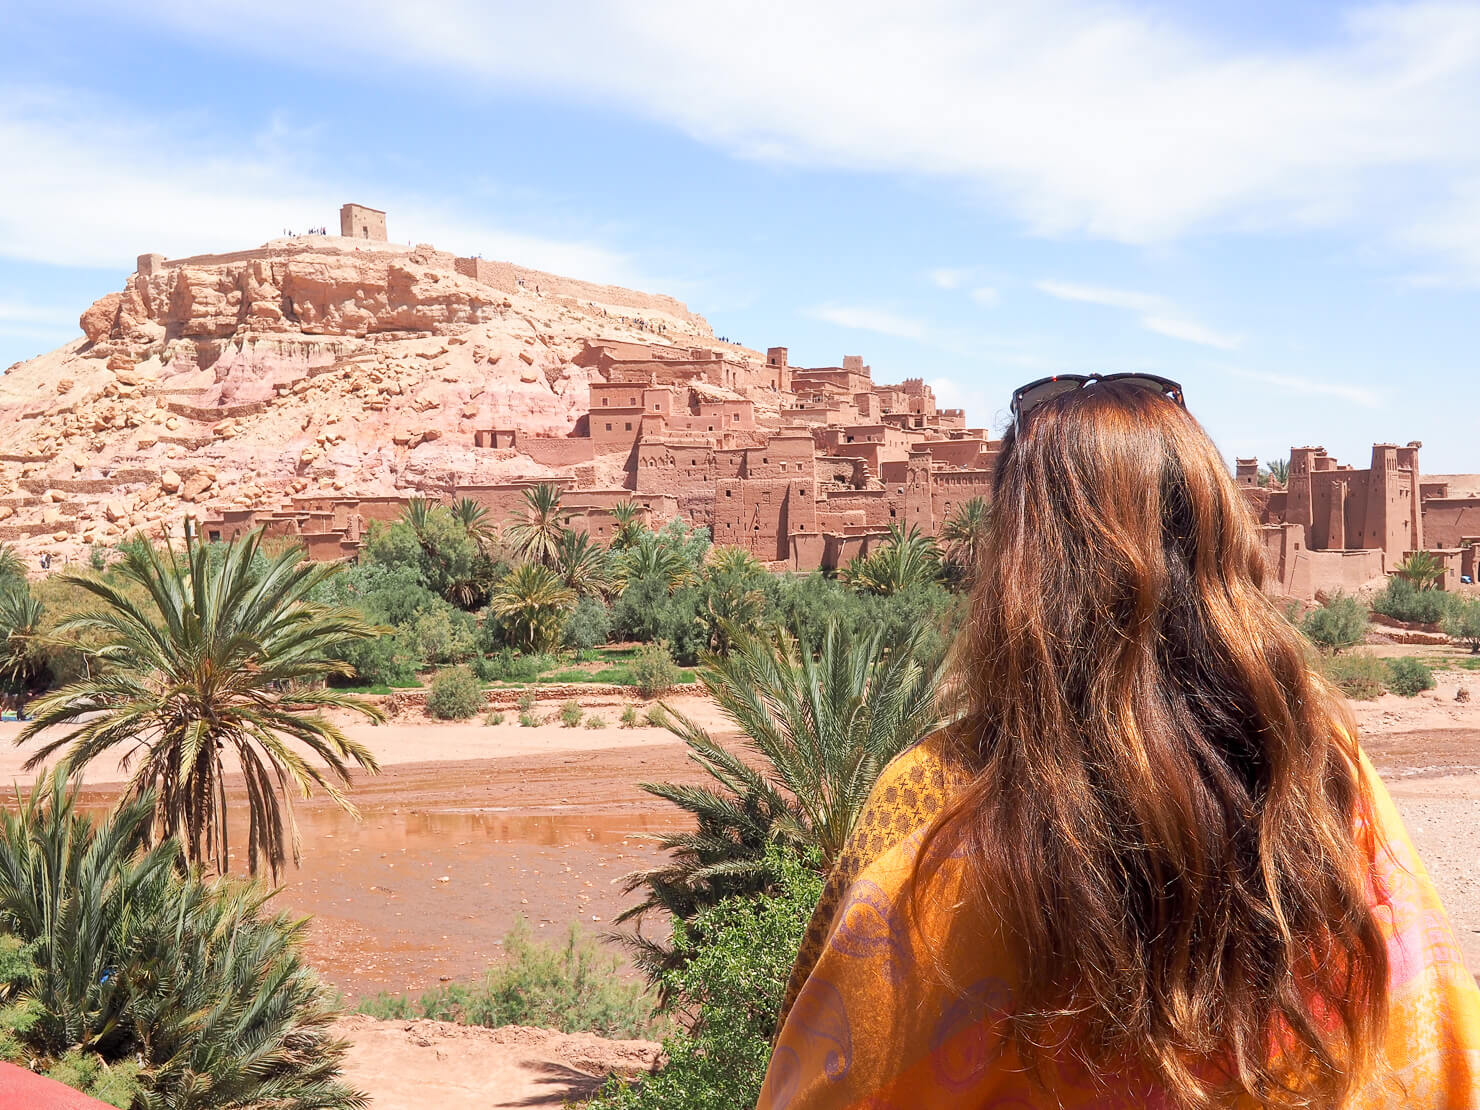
865 1028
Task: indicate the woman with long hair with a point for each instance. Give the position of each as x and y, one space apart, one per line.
1148 865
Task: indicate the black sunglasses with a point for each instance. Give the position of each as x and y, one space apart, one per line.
1027 398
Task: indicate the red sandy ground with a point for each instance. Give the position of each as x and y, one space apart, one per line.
470 826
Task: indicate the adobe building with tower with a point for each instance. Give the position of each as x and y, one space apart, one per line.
358 222
1333 526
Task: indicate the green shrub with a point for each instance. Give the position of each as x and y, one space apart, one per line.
1404 601
589 624
629 716
571 714
653 669
1357 676
137 973
1462 623
528 720
574 988
507 665
456 695
1408 677
737 957
493 717
1339 622
526 701
657 717
596 720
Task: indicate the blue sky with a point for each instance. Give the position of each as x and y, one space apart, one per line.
1277 203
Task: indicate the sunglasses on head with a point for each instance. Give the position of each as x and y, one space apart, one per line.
1027 398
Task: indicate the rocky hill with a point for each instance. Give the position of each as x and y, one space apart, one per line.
311 363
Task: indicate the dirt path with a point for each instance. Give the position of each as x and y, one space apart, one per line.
411 1065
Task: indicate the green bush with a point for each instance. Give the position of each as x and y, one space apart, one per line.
657 717
528 720
1462 623
1339 622
737 957
508 665
653 669
456 695
1357 676
130 971
589 624
444 635
1404 601
596 720
574 988
629 716
493 717
571 714
1408 677
526 701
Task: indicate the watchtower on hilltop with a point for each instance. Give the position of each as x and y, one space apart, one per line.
358 222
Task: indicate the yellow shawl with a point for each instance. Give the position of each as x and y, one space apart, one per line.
868 1027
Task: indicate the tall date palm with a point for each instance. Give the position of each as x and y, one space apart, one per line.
537 529
206 667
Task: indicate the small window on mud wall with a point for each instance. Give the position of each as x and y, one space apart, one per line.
629 426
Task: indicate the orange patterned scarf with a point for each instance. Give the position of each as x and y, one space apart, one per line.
867 1027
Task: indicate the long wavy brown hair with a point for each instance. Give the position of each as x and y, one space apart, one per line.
1165 810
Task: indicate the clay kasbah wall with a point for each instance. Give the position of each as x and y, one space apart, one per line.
315 384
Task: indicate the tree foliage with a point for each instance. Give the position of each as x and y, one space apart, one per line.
1421 568
907 559
1462 622
211 659
134 963
726 984
818 726
531 603
1339 622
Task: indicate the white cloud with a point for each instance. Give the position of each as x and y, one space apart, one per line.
1083 117
868 318
1191 332
98 191
1127 299
1293 383
950 277
985 295
1157 314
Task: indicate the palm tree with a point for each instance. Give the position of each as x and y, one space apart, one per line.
532 602
12 567
181 987
416 514
536 533
628 518
1276 473
965 532
476 520
733 599
215 658
22 658
1422 569
817 729
650 557
583 565
908 558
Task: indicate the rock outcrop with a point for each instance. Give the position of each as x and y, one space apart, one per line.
309 364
